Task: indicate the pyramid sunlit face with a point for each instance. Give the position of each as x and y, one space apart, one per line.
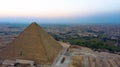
33 44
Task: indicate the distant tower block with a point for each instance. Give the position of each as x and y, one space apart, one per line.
33 44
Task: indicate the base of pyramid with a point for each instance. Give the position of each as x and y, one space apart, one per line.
33 44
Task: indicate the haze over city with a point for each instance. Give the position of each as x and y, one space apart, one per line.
60 11
59 33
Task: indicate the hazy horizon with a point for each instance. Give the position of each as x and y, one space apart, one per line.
60 11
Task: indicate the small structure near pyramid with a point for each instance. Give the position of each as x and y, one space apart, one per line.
33 44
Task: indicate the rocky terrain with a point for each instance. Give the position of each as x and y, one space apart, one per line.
85 57
75 56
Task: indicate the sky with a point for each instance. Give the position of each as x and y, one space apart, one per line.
60 11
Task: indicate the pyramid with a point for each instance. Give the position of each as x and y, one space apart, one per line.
33 44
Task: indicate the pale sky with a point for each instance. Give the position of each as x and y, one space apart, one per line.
29 10
53 8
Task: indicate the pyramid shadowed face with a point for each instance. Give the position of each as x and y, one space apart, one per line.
33 44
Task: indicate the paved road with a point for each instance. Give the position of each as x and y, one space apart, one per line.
66 63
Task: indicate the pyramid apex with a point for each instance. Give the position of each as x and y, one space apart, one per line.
34 23
34 44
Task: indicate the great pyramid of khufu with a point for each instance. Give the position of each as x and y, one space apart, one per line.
33 44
